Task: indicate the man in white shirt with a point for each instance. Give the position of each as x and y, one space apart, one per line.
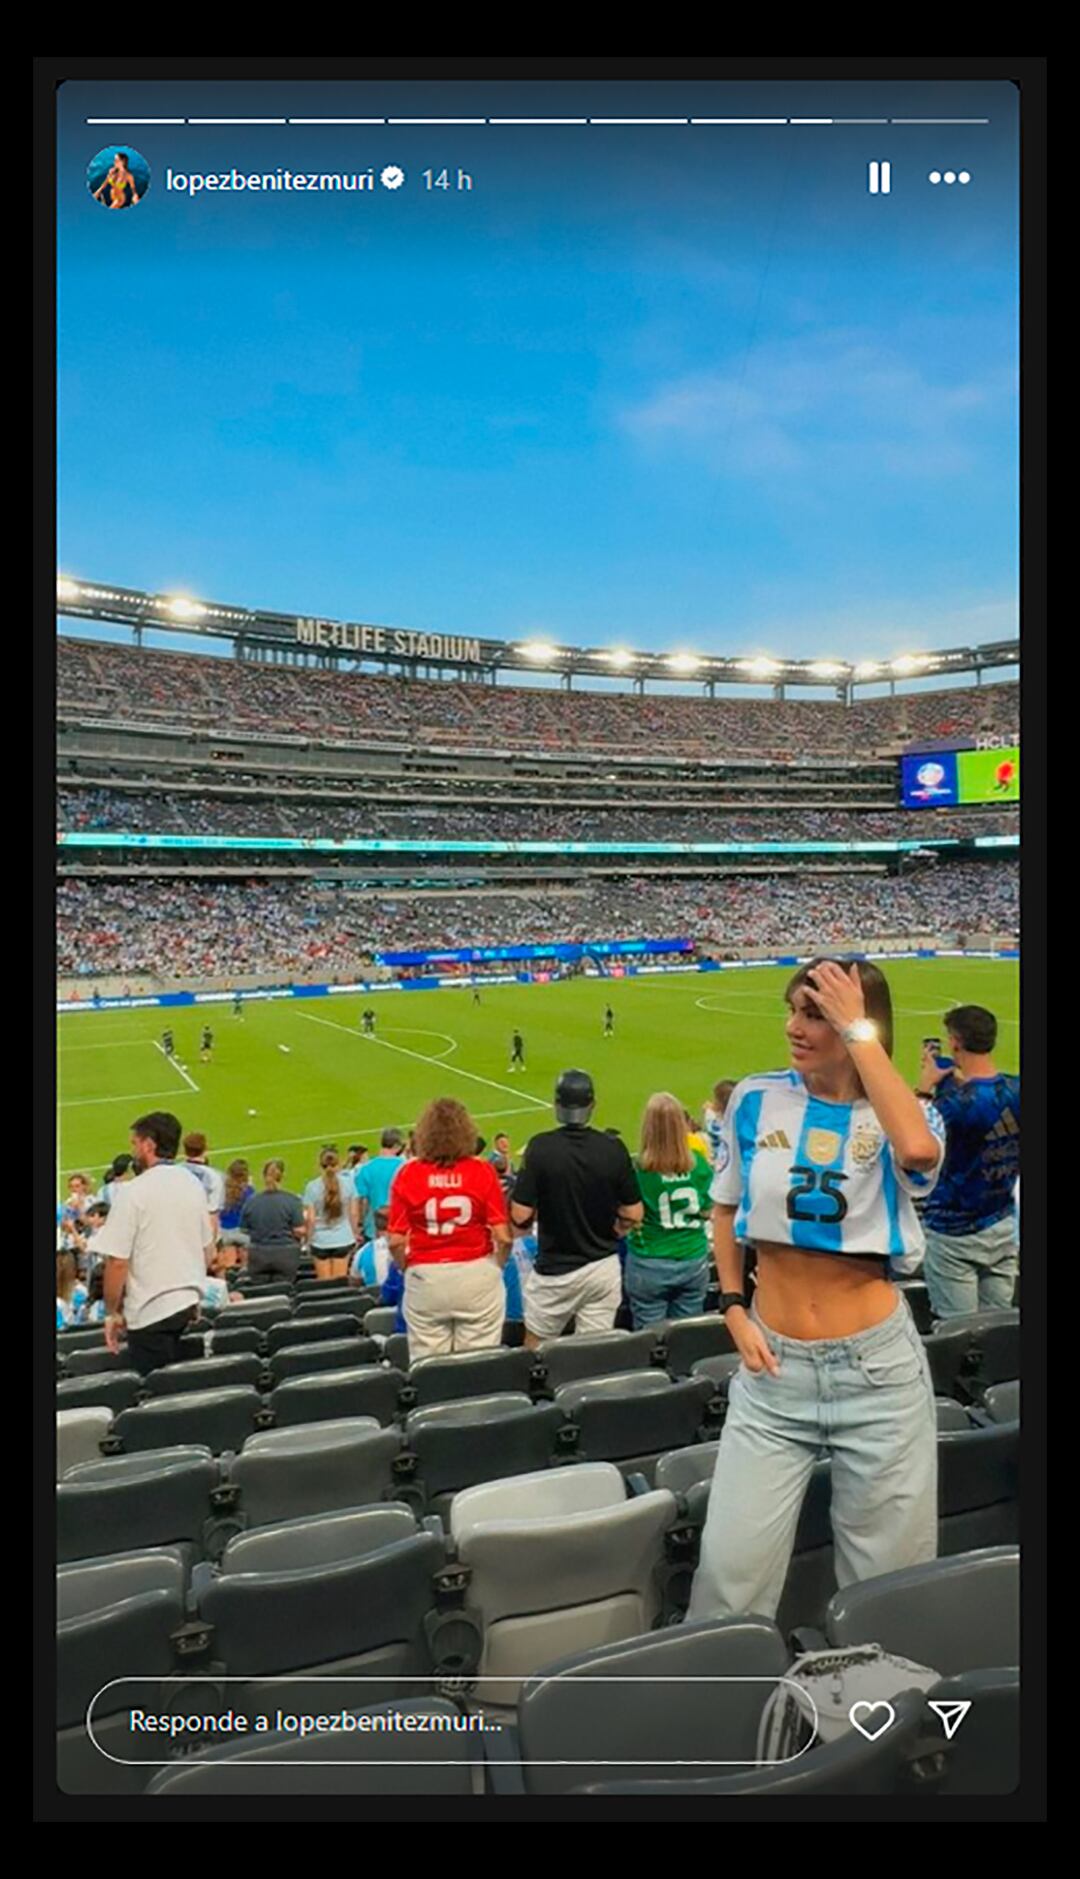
157 1245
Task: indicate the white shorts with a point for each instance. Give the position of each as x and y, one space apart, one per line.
591 1295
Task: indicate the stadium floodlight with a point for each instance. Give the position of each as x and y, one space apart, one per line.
540 649
683 662
827 669
868 669
620 658
65 589
182 608
761 668
910 662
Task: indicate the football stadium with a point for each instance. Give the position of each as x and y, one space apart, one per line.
398 877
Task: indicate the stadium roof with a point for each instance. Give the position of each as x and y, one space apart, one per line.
411 649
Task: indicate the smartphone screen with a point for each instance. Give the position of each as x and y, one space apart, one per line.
537 614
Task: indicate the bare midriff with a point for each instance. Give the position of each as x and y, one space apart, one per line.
820 1295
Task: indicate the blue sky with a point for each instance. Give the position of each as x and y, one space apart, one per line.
668 387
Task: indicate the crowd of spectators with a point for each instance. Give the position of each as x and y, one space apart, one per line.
213 928
90 809
122 685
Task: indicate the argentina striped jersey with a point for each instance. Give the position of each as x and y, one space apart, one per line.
818 1175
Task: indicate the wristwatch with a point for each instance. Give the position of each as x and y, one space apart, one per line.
727 1299
860 1031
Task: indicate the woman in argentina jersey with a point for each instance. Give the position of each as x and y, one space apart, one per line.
817 1167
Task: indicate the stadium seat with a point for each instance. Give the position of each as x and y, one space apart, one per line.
221 1341
1002 1402
380 1321
978 1488
363 1614
312 1287
719 1370
473 1373
396 1351
88 1363
633 1417
312 1330
114 1615
984 1756
650 1706
436 1760
560 1561
369 1391
950 1356
215 1419
951 1414
305 1360
567 1359
109 1389
152 1499
341 1304
84 1338
953 1615
79 1433
314 1468
205 1373
686 1340
683 1468
905 1759
918 1301
260 1312
456 1445
995 1352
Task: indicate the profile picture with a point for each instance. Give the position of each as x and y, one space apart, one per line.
118 177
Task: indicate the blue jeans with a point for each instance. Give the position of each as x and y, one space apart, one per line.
659 1289
867 1404
973 1271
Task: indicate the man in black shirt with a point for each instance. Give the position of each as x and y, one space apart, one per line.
578 1184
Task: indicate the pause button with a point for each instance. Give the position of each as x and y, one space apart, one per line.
879 178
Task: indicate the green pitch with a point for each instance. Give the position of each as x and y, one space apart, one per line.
293 1074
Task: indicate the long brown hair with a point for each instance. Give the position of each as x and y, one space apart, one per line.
876 994
665 1146
333 1205
237 1179
445 1132
67 1275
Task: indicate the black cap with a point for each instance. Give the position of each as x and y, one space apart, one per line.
575 1097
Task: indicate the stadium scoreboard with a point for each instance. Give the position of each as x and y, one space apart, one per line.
945 779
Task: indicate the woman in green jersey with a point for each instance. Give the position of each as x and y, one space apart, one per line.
667 1257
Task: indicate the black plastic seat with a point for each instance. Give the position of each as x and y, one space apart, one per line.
635 1415
455 1445
951 1414
978 1488
116 1618
568 1359
684 1468
949 1351
899 1761
260 1312
222 1341
953 1615
719 1370
84 1338
687 1340
305 1360
312 1329
205 1373
1002 1402
87 1363
380 1321
650 1706
433 1760
368 1391
918 1300
315 1468
396 1350
131 1502
354 1304
109 1389
214 1419
355 1616
473 1373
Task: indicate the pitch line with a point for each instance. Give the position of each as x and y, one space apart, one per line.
178 1067
140 1096
435 1062
355 1128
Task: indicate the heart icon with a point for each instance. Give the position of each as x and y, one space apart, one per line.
864 1710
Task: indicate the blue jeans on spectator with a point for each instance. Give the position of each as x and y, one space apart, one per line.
867 1404
972 1271
659 1289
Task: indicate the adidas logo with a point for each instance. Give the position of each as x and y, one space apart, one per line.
776 1140
1007 1125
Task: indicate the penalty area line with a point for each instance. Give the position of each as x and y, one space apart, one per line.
450 1069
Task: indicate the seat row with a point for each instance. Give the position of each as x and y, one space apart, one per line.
552 1694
